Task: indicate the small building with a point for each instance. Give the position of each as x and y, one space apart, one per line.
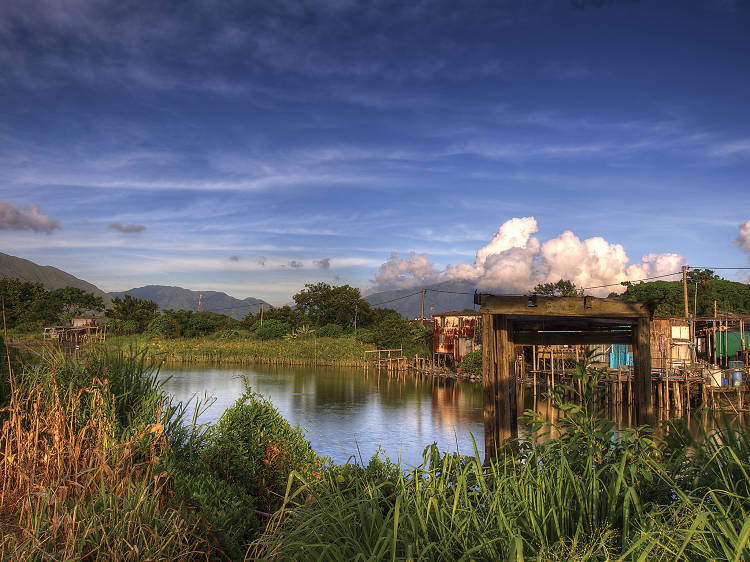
86 321
455 335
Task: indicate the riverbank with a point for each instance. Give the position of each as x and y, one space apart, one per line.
99 463
240 349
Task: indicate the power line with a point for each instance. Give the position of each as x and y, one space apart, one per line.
449 292
632 281
397 299
696 267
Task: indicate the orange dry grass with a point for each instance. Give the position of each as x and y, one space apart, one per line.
70 490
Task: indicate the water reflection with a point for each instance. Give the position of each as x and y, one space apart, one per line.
349 413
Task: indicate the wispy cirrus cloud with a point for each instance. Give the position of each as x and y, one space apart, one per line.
25 218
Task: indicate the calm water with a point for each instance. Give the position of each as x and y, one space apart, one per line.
345 412
349 413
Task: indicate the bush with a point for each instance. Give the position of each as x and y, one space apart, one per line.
472 362
392 332
272 329
240 467
330 331
163 326
130 327
365 336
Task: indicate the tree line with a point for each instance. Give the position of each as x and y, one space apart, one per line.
29 306
320 310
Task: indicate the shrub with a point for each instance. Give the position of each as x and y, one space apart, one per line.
130 327
330 331
164 326
365 336
240 468
472 362
272 329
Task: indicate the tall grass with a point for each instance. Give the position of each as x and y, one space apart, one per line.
80 469
236 349
97 463
593 493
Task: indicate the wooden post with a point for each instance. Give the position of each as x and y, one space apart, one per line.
552 365
506 403
489 379
684 289
642 370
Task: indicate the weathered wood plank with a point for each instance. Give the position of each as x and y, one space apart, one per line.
505 397
561 306
489 378
642 371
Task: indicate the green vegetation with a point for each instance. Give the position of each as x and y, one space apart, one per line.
99 464
29 306
242 347
562 288
129 315
704 286
595 493
472 362
321 330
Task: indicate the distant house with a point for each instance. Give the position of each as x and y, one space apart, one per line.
82 329
86 321
455 335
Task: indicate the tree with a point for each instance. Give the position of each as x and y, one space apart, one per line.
273 329
132 315
323 304
72 301
704 287
563 288
30 305
286 314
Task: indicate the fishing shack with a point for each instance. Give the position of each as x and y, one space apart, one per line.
508 321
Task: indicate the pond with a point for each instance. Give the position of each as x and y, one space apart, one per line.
350 413
347 412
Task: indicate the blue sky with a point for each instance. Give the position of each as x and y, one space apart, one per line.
252 147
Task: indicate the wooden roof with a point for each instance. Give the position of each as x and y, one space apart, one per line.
577 307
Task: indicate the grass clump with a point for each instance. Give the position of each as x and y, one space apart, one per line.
236 473
81 475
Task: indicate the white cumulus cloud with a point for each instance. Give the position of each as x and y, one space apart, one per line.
515 260
402 273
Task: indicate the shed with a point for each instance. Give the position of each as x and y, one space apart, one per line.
538 320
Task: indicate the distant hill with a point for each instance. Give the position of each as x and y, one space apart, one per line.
441 297
51 277
177 298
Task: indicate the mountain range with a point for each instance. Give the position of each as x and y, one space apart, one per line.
440 297
177 298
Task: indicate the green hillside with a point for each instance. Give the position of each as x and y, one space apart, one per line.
51 277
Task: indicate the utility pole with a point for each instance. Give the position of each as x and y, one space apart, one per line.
684 289
422 316
355 320
200 302
261 314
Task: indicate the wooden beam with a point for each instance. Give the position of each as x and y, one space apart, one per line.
642 371
570 338
505 397
561 306
489 379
